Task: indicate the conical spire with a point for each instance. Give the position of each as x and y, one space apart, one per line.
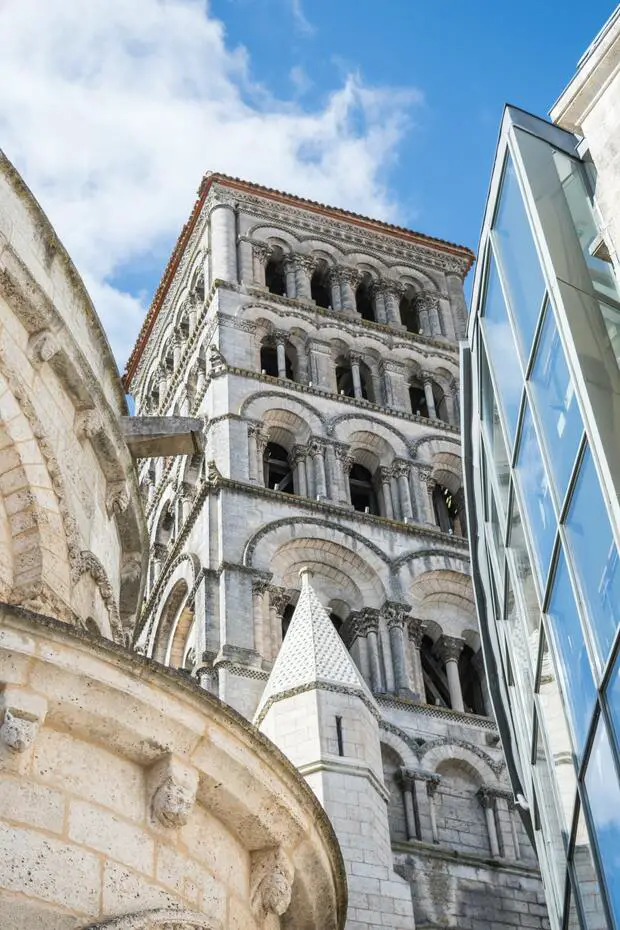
312 654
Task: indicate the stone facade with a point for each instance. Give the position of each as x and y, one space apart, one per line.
130 798
321 349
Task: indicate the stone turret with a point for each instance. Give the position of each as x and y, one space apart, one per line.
318 710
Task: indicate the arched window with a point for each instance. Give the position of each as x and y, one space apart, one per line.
441 406
470 683
363 496
368 391
447 510
363 298
269 360
275 275
320 290
435 682
344 377
270 364
346 380
418 399
278 473
409 311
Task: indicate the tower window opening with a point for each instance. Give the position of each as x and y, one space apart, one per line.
344 378
440 404
277 469
269 360
275 275
362 490
409 312
339 736
363 298
418 399
320 290
471 685
446 510
435 681
287 616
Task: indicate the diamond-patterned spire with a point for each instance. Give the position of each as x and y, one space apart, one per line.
312 653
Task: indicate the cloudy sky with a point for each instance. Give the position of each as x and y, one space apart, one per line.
114 109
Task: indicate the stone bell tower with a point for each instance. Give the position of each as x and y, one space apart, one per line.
321 350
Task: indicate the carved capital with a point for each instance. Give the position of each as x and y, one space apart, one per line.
260 585
428 301
449 648
187 491
279 598
42 346
407 779
117 498
304 262
317 447
432 784
394 288
395 614
368 621
345 458
173 787
160 552
261 252
298 454
262 439
349 275
216 360
385 473
88 423
486 797
280 337
401 468
416 629
271 882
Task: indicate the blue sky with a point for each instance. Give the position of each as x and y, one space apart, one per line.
113 111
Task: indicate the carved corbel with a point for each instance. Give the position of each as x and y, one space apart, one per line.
88 423
173 786
117 498
271 882
42 346
23 713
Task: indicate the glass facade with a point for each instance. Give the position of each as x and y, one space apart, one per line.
542 374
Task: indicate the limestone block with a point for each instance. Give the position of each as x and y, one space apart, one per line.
35 805
101 830
190 881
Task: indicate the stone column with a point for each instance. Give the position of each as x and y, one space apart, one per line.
177 349
262 631
393 291
415 631
487 800
449 649
348 280
261 253
304 265
359 644
246 261
291 276
281 340
298 463
253 474
423 317
510 805
401 470
201 378
192 313
317 451
385 475
188 494
427 486
278 600
262 438
334 285
432 305
355 359
159 557
162 384
223 243
345 462
369 619
412 818
395 615
378 290
432 785
478 664
428 394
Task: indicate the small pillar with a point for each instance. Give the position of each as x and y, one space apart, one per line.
449 649
223 243
291 276
401 471
281 339
412 819
428 394
395 615
317 451
385 475
304 265
298 459
335 288
415 631
487 800
355 359
432 785
348 280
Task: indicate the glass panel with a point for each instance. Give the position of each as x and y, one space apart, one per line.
518 259
521 569
501 350
556 404
532 480
594 556
523 653
570 654
553 837
571 919
586 878
497 457
603 794
613 699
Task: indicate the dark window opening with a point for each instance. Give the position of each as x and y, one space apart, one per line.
409 313
435 682
269 361
320 291
363 495
447 509
363 299
275 276
335 619
199 288
344 379
418 400
470 683
288 362
339 736
441 406
278 474
287 616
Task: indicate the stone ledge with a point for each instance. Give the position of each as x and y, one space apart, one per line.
435 851
430 710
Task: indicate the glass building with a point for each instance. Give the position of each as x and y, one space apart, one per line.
541 398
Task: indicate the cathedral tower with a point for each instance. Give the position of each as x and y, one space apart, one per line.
321 349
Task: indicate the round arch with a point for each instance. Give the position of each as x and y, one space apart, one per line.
256 405
468 756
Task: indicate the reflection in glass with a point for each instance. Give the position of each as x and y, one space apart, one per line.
497 457
518 259
552 839
536 497
594 556
556 403
603 794
521 569
501 350
587 882
523 652
613 699
571 655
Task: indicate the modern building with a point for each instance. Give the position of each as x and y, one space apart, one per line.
541 414
321 350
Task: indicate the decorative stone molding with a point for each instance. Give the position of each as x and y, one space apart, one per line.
271 882
368 621
117 497
88 423
395 614
165 919
42 346
278 598
351 275
173 787
261 252
304 262
24 713
87 562
416 629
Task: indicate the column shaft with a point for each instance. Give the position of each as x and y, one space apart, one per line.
375 663
357 380
430 399
410 818
454 685
281 353
397 643
223 243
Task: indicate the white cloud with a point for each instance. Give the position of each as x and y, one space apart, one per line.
114 110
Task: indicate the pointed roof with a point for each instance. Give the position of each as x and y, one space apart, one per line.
312 656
